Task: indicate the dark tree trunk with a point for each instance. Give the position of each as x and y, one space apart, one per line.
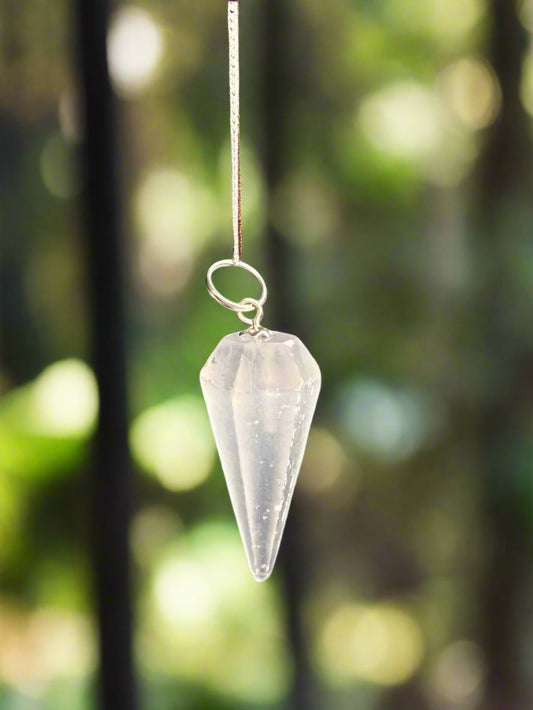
111 466
281 315
504 183
21 349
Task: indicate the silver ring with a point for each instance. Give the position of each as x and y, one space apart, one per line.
256 330
241 307
255 322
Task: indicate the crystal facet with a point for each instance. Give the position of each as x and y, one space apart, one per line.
261 396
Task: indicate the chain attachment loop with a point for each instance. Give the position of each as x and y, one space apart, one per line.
255 329
237 306
246 305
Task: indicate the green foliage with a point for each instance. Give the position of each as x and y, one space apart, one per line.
409 280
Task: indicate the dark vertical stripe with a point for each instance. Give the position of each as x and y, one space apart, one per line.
111 466
277 85
504 188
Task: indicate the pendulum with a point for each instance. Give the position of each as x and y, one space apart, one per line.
260 387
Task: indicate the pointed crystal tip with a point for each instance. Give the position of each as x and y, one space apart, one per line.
261 396
262 573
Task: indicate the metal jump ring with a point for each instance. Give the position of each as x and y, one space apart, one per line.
255 322
256 330
246 303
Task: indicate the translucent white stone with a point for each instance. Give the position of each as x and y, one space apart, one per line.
261 397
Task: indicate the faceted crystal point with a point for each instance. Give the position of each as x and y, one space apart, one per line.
261 396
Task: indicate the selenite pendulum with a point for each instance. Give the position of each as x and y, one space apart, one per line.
260 388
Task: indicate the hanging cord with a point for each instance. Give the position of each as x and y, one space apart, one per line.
235 129
246 305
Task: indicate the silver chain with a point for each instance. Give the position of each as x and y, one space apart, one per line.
235 129
246 305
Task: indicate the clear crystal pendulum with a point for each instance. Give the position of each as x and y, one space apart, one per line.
260 388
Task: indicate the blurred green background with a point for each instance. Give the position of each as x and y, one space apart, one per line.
387 188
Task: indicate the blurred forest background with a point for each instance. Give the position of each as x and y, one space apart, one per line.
387 187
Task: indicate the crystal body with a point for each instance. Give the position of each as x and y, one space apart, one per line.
261 396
